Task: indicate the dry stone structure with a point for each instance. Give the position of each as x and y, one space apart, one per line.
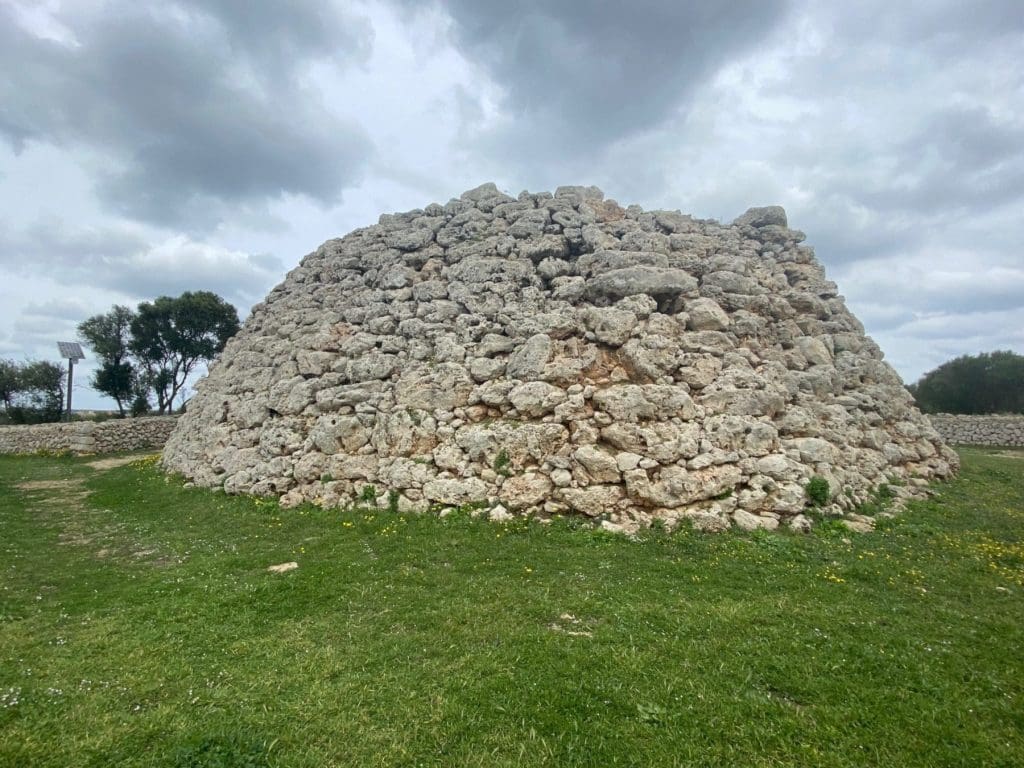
553 354
87 436
993 429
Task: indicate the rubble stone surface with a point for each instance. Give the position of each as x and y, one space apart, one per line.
88 437
996 429
558 353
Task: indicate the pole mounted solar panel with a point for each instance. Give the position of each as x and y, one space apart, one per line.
73 353
69 350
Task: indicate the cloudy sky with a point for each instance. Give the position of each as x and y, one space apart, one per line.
152 147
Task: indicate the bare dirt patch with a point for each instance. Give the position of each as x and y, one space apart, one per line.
49 485
1007 454
62 503
112 463
570 625
50 497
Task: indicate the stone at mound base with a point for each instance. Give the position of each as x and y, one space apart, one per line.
559 354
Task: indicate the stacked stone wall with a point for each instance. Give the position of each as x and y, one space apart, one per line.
980 430
559 354
88 437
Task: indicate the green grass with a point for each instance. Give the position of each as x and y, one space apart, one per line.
139 626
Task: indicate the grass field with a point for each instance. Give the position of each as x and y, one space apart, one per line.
139 626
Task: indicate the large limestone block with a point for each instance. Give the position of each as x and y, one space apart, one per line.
456 492
609 325
598 465
593 501
706 315
637 402
536 398
433 387
650 281
528 360
664 441
763 217
526 490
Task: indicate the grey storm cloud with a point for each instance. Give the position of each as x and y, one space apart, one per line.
60 308
583 74
938 285
127 263
941 23
275 37
909 137
194 106
961 158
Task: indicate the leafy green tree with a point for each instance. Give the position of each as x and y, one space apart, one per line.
109 334
109 337
171 336
992 382
9 382
119 380
39 393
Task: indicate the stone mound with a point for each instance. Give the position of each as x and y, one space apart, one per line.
554 354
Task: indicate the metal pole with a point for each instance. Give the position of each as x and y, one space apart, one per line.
71 369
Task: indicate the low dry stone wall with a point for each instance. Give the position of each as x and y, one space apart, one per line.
979 430
88 436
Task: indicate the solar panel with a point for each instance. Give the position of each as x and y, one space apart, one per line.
70 350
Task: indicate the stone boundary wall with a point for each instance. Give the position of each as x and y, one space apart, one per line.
979 430
89 436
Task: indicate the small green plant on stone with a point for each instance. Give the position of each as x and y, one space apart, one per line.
326 477
368 495
880 499
656 530
830 528
393 502
502 463
817 491
885 493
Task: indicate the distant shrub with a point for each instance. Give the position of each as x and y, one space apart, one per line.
140 405
985 383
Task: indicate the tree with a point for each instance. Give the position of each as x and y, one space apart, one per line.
42 385
109 337
140 405
992 382
119 380
32 391
9 375
170 336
